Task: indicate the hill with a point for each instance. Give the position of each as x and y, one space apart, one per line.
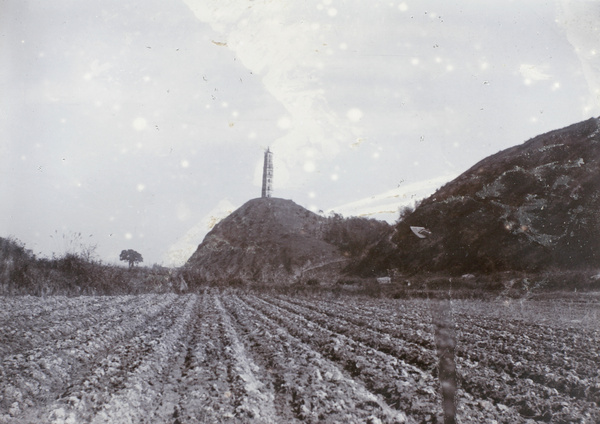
276 240
531 207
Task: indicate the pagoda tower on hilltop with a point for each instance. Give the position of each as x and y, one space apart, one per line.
267 182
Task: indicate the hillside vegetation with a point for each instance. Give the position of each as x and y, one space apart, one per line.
532 207
76 273
271 240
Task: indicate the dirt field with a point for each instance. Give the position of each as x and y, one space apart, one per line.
247 358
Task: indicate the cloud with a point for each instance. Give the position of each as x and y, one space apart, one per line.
180 251
385 205
533 73
283 44
580 21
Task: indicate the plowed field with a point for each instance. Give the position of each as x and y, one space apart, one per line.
233 357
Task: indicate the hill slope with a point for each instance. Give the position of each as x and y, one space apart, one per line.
266 239
529 207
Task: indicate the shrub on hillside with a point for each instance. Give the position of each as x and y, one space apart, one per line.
346 282
15 267
354 235
371 288
236 282
75 273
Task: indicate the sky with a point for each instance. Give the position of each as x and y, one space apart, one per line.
138 124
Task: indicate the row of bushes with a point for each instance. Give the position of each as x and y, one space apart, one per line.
73 274
354 235
505 284
515 285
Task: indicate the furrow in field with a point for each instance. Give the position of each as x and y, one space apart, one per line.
411 328
218 381
474 385
387 340
493 364
220 357
255 399
144 385
510 368
574 350
536 339
403 386
309 388
202 384
526 378
65 316
411 316
96 361
530 358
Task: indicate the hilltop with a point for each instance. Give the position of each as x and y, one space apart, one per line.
531 207
276 240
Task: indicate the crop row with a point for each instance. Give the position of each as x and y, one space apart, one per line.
44 373
310 386
403 386
232 357
401 342
491 371
29 324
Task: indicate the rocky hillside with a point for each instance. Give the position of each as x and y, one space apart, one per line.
276 240
532 207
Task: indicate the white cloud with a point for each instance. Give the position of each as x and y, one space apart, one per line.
282 43
183 212
180 251
354 114
285 123
385 205
309 166
532 73
579 19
